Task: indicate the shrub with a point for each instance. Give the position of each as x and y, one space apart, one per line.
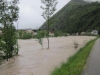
27 36
24 35
59 33
40 35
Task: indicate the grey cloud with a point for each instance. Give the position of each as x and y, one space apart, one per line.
30 13
92 0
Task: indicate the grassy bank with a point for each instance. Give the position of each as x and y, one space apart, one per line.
75 63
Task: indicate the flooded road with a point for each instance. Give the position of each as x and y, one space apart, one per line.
34 60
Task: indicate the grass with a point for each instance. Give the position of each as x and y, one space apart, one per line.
75 63
98 36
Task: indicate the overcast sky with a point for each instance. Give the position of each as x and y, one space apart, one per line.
30 13
92 0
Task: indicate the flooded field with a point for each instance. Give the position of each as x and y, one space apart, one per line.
34 60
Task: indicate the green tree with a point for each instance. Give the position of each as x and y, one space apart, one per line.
99 31
49 9
9 15
40 35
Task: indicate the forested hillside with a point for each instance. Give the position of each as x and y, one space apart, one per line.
76 16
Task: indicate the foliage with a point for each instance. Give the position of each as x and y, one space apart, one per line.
20 34
40 35
59 33
75 63
24 35
99 32
49 8
27 35
1 54
76 16
8 16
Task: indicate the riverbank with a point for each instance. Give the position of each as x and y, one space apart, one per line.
75 63
34 60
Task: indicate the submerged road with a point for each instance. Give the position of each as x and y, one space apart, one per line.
93 63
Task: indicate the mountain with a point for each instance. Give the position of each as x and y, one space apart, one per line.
76 16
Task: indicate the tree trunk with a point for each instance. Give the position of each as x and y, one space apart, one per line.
48 34
48 42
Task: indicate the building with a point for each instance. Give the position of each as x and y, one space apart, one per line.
94 32
28 30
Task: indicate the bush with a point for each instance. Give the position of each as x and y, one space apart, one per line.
1 56
24 35
59 33
65 34
27 36
40 35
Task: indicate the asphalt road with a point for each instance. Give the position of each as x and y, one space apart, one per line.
92 66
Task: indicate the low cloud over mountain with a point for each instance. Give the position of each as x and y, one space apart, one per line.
92 0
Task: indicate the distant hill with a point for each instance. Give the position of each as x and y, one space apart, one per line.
76 16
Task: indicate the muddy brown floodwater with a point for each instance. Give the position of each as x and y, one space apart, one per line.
34 60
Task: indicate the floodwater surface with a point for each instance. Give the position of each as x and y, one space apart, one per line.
34 60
